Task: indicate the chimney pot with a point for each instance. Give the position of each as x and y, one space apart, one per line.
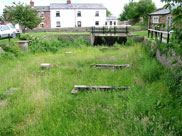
68 1
31 3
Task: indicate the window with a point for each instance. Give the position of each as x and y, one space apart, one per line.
110 22
41 14
58 24
97 13
79 23
41 25
156 19
114 22
106 23
96 23
57 14
79 14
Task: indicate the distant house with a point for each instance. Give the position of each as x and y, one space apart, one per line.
111 21
161 17
44 13
71 15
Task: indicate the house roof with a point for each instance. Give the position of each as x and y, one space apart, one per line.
76 6
163 11
42 8
111 18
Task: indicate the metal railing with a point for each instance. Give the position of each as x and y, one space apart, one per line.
159 34
110 30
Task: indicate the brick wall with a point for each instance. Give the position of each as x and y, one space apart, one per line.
46 20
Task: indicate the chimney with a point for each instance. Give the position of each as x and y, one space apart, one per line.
31 3
68 1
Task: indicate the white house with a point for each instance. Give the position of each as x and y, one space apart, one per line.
77 15
111 21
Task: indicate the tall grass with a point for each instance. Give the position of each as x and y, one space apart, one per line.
44 105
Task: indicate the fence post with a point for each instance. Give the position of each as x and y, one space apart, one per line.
9 37
161 37
152 34
148 33
168 36
155 35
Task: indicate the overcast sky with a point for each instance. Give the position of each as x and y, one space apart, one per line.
115 6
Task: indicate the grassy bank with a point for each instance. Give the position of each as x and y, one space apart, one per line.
44 105
141 33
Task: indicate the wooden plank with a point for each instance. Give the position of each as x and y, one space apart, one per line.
110 66
110 48
104 88
45 66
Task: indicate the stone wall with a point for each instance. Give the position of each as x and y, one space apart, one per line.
72 37
169 59
82 29
162 20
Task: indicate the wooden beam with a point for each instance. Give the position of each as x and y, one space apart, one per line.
110 66
104 88
110 48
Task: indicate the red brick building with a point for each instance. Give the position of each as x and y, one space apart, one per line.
44 13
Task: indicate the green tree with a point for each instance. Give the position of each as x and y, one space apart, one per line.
129 12
145 7
135 10
177 18
108 13
23 15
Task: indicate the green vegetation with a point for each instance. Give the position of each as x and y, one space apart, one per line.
177 18
135 10
141 24
41 34
108 13
141 33
4 41
22 14
44 105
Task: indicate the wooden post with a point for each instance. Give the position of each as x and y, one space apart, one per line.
155 35
9 37
148 33
168 37
126 29
152 34
161 37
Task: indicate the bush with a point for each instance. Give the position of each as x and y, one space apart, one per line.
130 42
174 82
80 42
151 70
40 44
13 50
